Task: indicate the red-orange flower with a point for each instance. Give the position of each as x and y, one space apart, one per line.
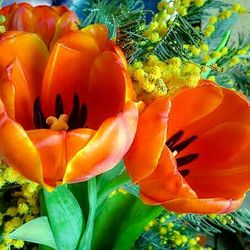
83 86
192 152
50 23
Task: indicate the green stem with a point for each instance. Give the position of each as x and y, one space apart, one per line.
114 184
221 45
86 240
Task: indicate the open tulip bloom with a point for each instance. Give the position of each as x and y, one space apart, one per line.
70 112
66 114
196 152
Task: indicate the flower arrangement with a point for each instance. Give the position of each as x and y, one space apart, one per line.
123 127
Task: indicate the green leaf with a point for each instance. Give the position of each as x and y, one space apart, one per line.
80 191
120 180
86 240
105 178
132 227
121 221
36 231
65 217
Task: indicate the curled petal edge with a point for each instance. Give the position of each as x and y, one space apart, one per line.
107 147
199 206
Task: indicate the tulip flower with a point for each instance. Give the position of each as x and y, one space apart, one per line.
50 23
67 115
191 152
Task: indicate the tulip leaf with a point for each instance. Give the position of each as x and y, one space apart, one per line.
36 231
105 178
121 221
65 217
133 226
115 183
86 240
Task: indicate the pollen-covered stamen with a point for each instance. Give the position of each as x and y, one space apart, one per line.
181 161
59 106
39 118
182 145
174 139
58 124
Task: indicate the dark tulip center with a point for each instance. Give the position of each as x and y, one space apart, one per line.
76 119
175 144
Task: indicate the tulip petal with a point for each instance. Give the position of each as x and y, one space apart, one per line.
145 152
77 139
165 183
66 23
52 151
15 94
22 19
100 34
106 92
7 95
64 77
106 148
204 206
60 9
190 105
130 92
31 53
17 150
45 20
56 148
215 173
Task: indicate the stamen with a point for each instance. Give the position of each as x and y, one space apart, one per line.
186 159
182 145
174 138
39 118
82 118
175 153
58 124
74 112
59 106
184 172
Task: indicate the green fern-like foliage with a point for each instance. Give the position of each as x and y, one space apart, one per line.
237 76
174 231
180 32
197 13
109 13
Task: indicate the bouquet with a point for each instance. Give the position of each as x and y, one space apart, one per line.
124 126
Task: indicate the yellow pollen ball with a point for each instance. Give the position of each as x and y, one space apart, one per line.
213 19
182 10
236 7
216 54
12 211
224 51
163 230
170 10
195 51
205 47
199 3
162 5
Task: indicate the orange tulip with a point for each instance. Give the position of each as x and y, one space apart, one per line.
192 152
65 116
50 23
